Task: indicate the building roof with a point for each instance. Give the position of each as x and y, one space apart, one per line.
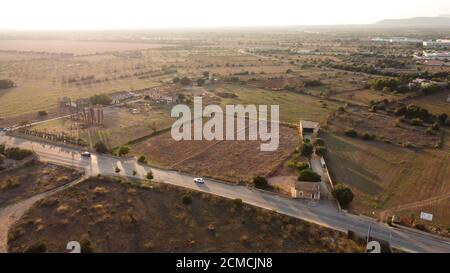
309 124
307 186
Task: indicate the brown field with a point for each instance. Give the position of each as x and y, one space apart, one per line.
435 103
27 181
233 161
116 216
384 176
385 127
74 47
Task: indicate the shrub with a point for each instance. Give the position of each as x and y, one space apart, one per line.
260 182
319 142
38 247
17 153
100 99
237 202
86 245
321 151
343 194
368 137
150 175
416 122
307 149
187 199
5 84
435 126
123 150
2 148
142 159
302 166
117 169
42 113
100 147
309 176
351 133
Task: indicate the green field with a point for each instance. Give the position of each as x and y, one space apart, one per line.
293 106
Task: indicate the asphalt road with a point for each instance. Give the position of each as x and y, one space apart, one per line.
324 212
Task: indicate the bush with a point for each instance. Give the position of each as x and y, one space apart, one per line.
260 182
117 169
187 199
42 113
307 149
435 126
2 148
302 166
343 194
309 176
100 99
38 247
319 142
351 133
237 202
321 151
5 84
123 150
185 81
142 159
86 245
416 122
17 153
101 148
368 137
150 175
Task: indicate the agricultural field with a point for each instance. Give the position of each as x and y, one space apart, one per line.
111 215
384 127
435 103
30 180
234 161
293 106
121 124
384 176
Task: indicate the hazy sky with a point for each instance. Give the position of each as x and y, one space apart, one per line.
113 14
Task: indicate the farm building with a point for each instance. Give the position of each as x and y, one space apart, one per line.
309 127
306 190
121 96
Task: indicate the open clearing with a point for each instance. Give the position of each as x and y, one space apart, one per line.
115 216
28 181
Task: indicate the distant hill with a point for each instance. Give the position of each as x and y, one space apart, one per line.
440 21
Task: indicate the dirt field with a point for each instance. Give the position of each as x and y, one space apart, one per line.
435 103
110 216
228 160
384 176
28 181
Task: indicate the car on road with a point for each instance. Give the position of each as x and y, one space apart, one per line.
86 154
199 180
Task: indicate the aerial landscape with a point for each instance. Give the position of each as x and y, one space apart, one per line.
311 136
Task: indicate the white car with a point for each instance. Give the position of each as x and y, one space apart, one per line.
86 154
199 180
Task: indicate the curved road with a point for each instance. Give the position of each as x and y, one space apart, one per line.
323 213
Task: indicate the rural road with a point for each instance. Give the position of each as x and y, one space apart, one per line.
323 212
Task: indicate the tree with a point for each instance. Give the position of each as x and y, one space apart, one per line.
206 74
187 199
176 80
309 176
42 113
185 81
5 84
351 133
117 169
150 175
100 147
200 82
319 142
343 194
100 99
321 151
443 118
306 149
2 148
142 159
260 182
123 150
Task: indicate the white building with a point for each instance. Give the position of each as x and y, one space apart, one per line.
440 43
436 55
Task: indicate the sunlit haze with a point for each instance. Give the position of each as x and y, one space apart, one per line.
120 14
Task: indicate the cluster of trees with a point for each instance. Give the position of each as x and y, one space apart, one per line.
15 152
309 175
387 84
312 83
100 99
353 133
343 194
5 84
369 69
185 81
